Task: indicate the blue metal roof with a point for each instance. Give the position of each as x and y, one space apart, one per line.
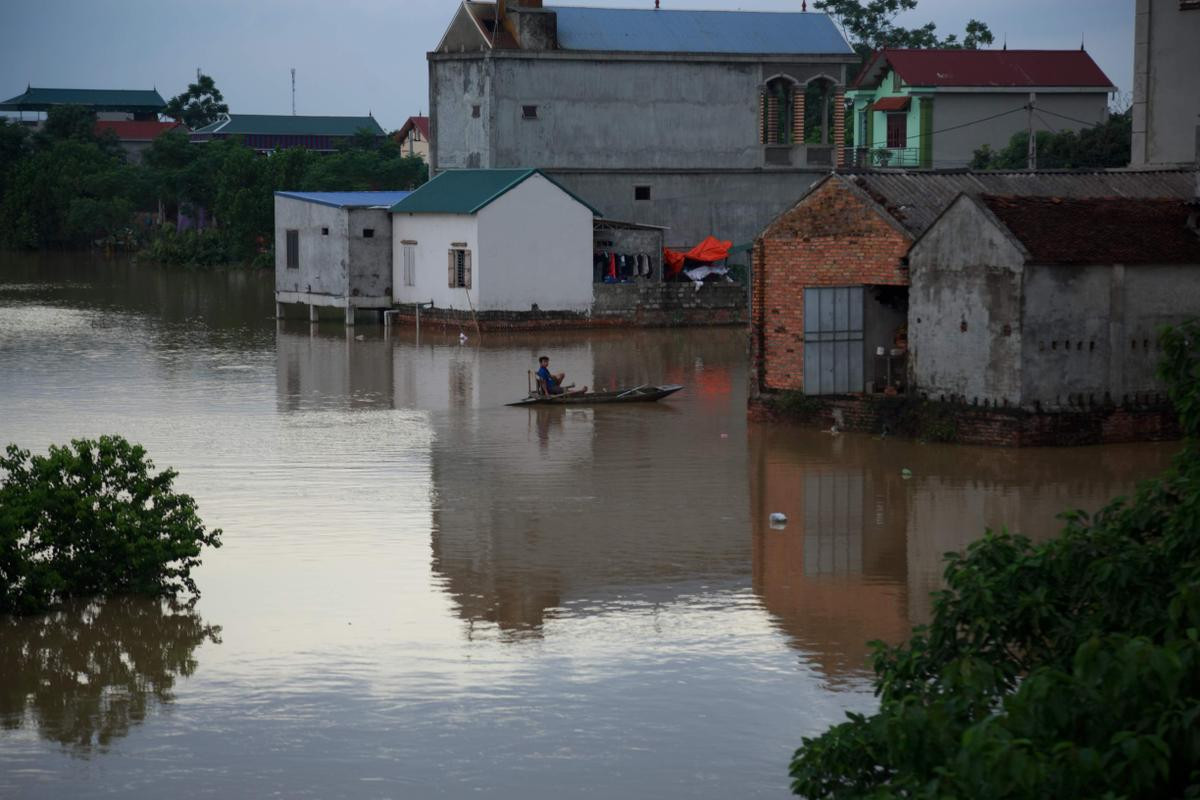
662 31
349 199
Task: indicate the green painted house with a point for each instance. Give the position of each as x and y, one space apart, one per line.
934 108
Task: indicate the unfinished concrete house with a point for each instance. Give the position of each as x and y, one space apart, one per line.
1050 303
704 122
334 249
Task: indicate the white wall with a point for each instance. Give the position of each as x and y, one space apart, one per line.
324 259
434 234
536 245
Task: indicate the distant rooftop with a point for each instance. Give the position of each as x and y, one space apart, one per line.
672 31
132 100
288 125
1099 230
131 130
384 199
915 199
648 30
996 68
420 123
468 191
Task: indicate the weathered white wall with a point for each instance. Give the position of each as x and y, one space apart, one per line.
966 271
1166 74
1091 332
955 148
536 248
370 259
435 235
324 260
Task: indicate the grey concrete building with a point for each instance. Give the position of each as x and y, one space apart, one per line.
705 122
334 249
935 108
1166 82
1050 303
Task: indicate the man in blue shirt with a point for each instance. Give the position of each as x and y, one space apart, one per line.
553 383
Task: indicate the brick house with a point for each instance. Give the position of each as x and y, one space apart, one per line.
830 274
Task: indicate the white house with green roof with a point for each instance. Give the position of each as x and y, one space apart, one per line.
493 240
269 132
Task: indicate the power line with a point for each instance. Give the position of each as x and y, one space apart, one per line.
1072 119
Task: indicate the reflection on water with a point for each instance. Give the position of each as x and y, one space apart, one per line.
85 674
424 592
864 546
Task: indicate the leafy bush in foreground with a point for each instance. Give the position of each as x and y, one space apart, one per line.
1066 669
93 518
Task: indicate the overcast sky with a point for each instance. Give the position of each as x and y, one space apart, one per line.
359 56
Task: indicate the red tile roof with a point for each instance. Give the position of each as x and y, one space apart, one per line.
420 123
136 130
1099 230
891 104
1030 68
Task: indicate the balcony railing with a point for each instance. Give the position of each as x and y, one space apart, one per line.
883 157
798 155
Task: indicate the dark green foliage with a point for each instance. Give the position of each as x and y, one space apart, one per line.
1101 146
92 519
870 25
797 405
1068 669
199 105
66 188
916 418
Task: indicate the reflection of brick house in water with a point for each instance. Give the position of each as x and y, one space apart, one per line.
863 547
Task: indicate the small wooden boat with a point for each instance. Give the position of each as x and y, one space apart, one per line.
638 394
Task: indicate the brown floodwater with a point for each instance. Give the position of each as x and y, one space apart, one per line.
424 593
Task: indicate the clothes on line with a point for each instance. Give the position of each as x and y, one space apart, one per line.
612 267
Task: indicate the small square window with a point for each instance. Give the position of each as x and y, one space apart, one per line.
475 112
368 233
641 193
529 112
324 231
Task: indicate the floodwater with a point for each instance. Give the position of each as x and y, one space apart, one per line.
424 593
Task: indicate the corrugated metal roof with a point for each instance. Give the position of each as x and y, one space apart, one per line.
467 191
33 99
916 199
664 31
997 68
349 199
287 125
1099 230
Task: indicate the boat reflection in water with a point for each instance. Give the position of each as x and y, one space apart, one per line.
84 675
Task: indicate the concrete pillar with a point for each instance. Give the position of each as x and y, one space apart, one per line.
349 315
798 115
278 310
839 125
312 313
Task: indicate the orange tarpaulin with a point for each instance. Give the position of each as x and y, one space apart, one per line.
710 250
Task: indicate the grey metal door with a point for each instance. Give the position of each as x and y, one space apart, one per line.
833 340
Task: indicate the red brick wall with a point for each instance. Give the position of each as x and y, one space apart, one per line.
834 237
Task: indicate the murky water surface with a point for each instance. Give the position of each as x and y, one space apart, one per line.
424 593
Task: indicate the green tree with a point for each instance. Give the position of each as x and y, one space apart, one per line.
14 147
201 104
1069 669
871 24
1099 147
90 519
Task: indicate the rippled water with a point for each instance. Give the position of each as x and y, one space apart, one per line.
424 593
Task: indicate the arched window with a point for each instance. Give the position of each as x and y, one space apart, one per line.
781 112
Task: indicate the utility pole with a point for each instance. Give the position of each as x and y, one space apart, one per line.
1032 155
293 91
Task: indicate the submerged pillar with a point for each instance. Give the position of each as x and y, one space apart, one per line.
312 313
278 310
349 315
